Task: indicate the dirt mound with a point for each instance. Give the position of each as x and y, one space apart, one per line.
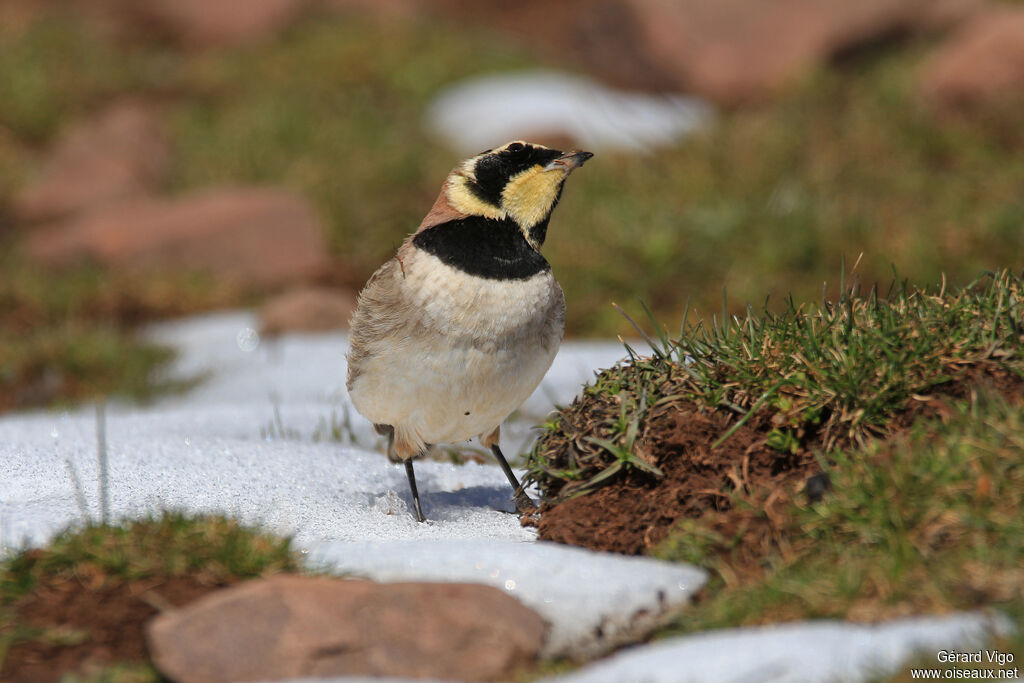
84 627
636 511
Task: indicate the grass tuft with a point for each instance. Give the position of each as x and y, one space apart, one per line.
907 516
930 522
832 375
172 544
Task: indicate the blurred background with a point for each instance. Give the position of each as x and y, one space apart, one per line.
165 157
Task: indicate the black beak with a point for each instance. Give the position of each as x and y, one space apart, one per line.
569 161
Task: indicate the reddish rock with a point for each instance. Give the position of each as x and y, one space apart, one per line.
307 309
121 152
294 626
942 15
260 237
737 51
216 23
981 64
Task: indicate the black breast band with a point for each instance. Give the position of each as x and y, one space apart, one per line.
492 249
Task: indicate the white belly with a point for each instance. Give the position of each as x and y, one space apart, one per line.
482 348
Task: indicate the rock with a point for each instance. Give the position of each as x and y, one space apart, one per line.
635 594
120 153
297 626
257 236
739 51
981 64
201 23
943 15
307 309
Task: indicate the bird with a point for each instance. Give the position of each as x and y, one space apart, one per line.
454 333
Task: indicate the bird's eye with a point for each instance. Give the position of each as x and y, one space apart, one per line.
516 147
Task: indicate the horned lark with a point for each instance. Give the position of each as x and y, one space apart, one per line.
457 330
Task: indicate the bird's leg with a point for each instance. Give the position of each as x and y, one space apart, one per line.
396 455
523 502
415 494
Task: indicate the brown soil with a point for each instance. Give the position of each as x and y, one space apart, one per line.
89 626
635 512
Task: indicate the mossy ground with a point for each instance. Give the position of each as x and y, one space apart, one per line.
908 403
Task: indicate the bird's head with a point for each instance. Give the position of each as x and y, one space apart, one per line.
518 181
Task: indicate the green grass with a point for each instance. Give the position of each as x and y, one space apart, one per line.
72 362
838 373
766 202
322 109
171 544
71 338
928 523
119 673
326 111
845 368
57 67
769 201
922 516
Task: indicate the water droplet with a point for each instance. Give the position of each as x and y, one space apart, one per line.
495 573
248 339
188 441
510 585
54 432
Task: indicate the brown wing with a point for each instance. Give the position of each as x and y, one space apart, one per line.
381 316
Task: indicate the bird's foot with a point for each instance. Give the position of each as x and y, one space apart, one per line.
529 512
524 505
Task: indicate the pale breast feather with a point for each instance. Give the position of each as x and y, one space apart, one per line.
481 311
